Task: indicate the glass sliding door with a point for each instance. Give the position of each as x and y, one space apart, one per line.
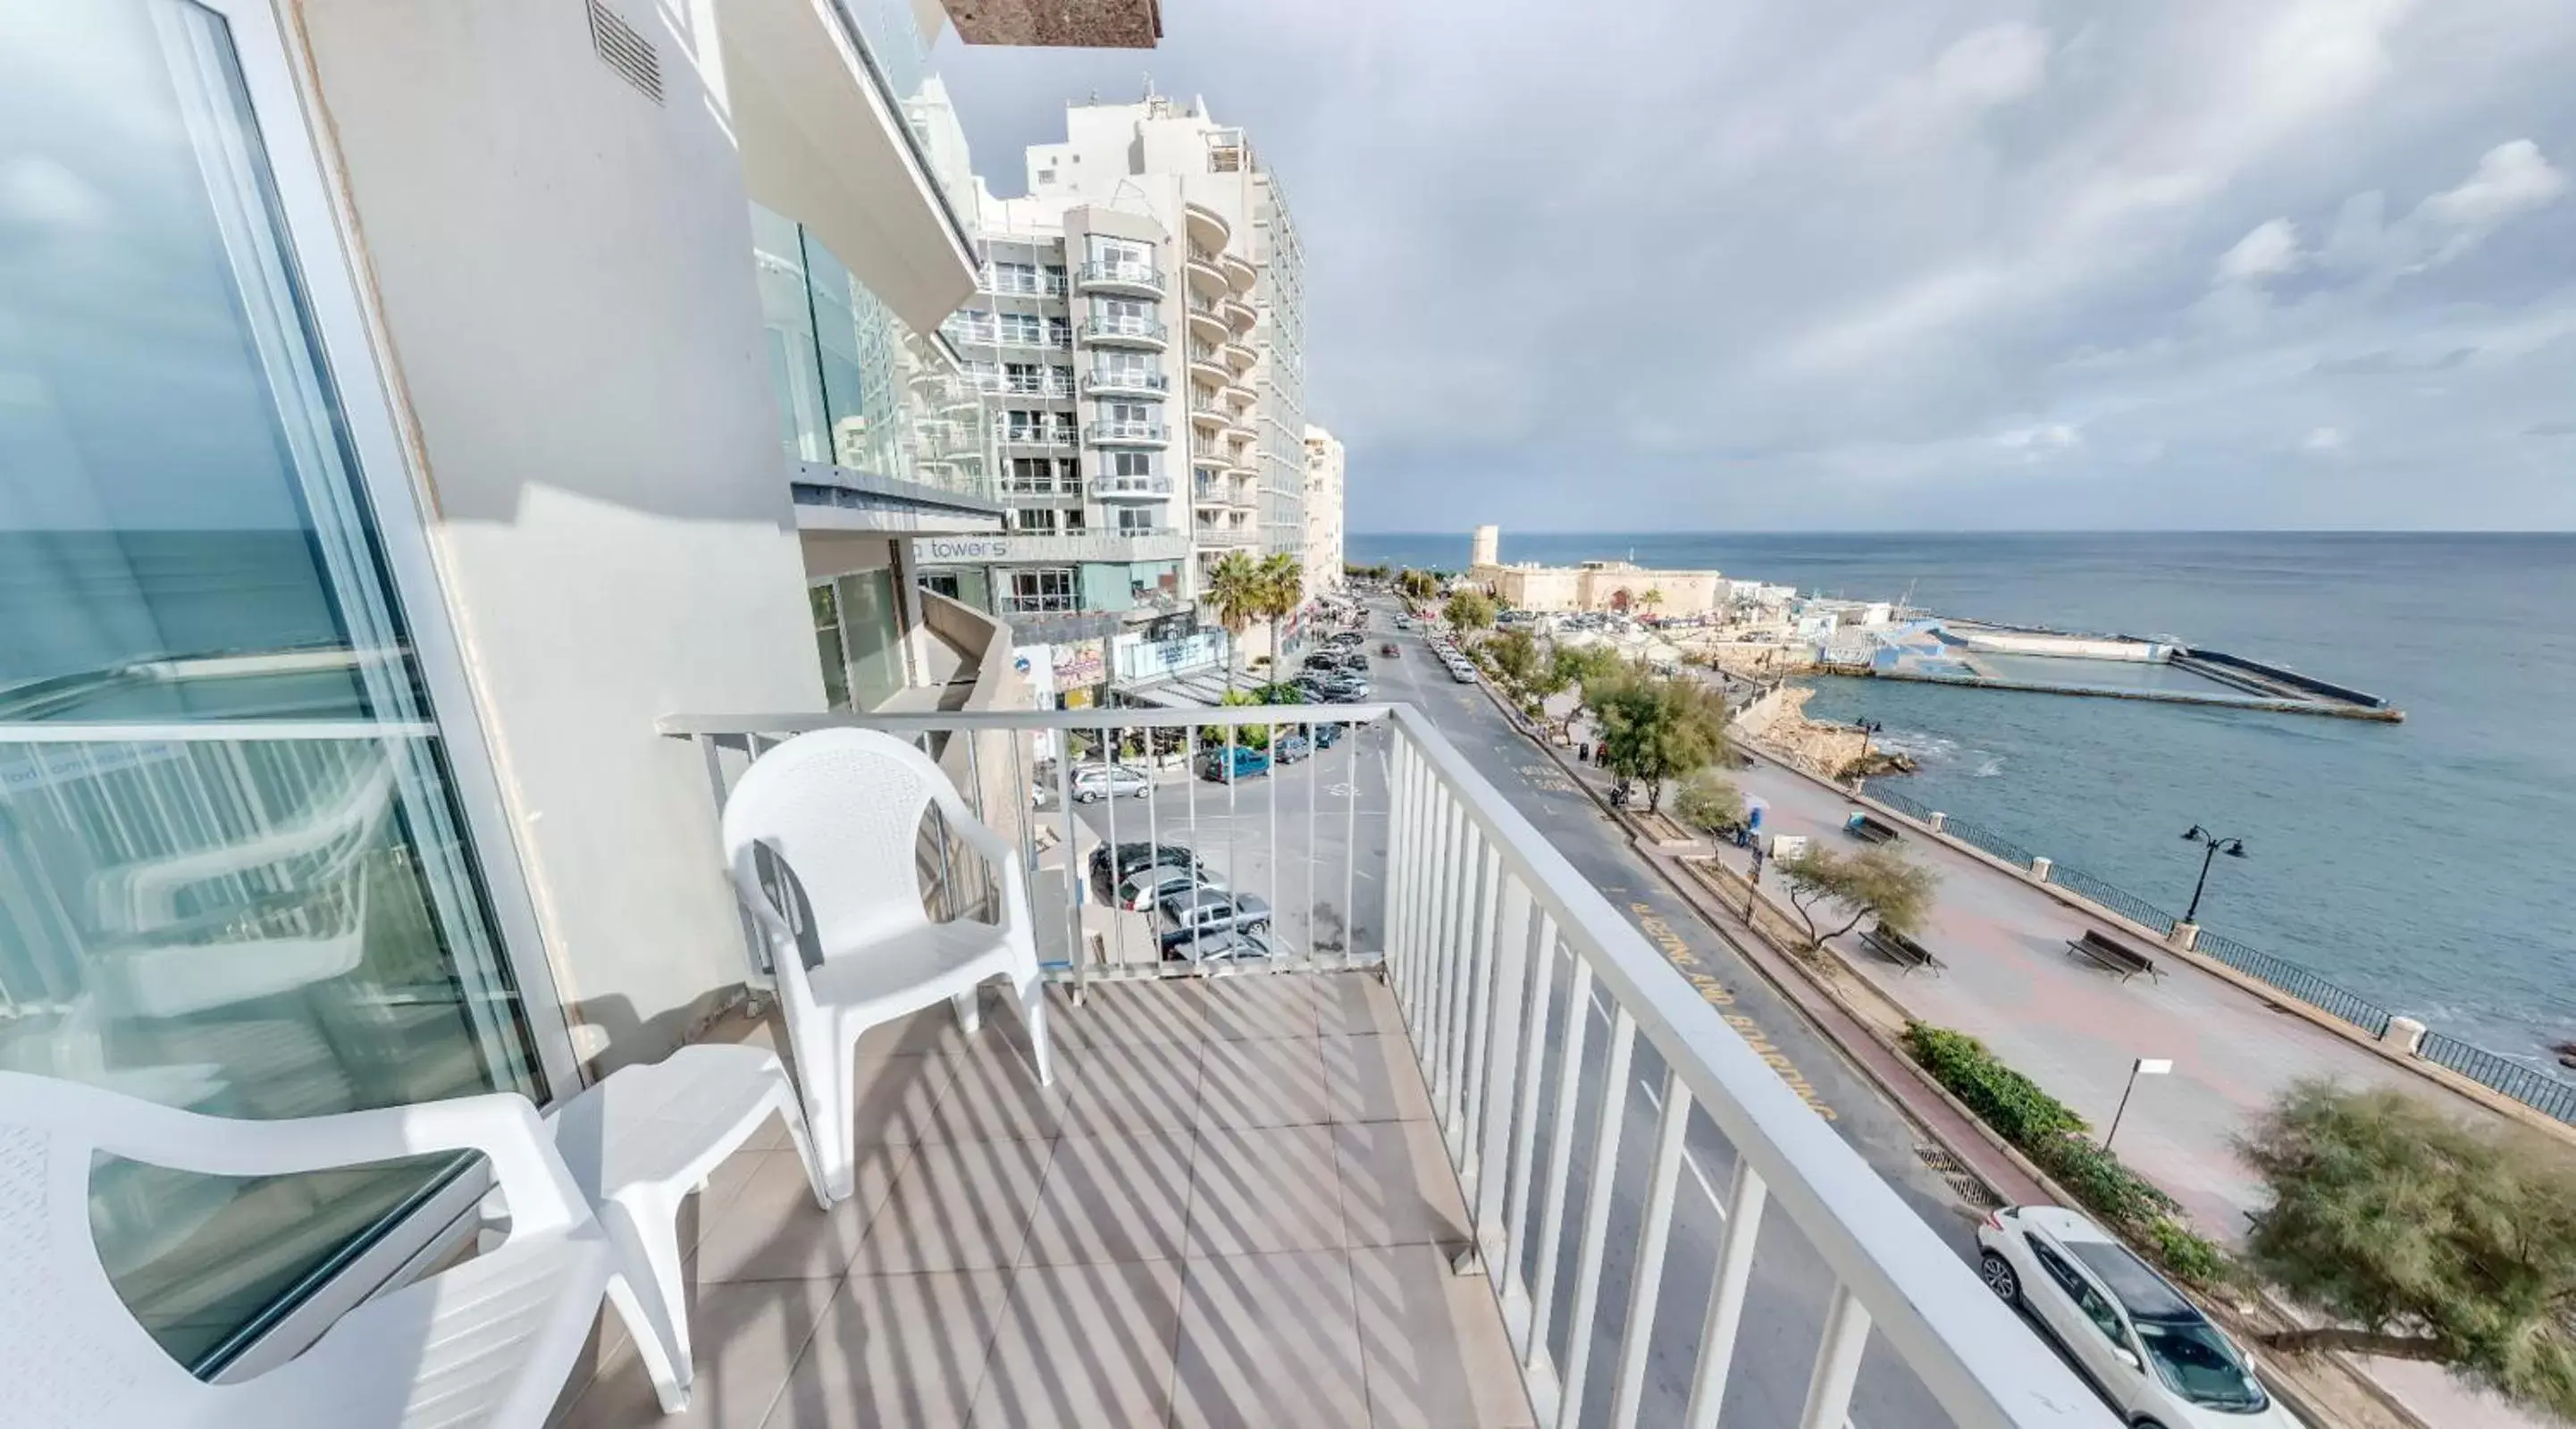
234 875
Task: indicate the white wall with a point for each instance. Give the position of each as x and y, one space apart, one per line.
562 269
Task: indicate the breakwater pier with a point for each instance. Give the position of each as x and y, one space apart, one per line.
2099 666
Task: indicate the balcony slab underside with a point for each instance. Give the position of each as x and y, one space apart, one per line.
1232 1201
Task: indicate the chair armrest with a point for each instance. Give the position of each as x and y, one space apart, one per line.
1004 858
503 1126
754 898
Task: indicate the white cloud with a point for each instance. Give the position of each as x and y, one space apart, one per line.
2511 180
2271 250
2047 437
1985 69
2324 439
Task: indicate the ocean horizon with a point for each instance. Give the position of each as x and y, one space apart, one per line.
2423 864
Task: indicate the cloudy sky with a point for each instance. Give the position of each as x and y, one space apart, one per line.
1797 264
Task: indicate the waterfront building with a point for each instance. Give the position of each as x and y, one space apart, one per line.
1593 585
1326 466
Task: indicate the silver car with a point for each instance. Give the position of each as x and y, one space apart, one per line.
1095 782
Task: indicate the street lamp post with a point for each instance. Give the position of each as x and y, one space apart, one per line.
1867 727
2143 1067
2213 846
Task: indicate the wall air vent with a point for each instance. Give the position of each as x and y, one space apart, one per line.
626 51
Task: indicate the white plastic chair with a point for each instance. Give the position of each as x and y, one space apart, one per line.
489 1342
842 809
644 1139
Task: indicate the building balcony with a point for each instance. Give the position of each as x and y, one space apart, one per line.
1208 417
1132 488
1036 389
1051 437
1239 357
1125 332
1240 272
1140 280
1239 315
1204 276
1206 227
1207 368
1209 534
1126 434
1125 382
1239 397
1206 322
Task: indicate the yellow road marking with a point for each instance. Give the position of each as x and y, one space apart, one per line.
1677 951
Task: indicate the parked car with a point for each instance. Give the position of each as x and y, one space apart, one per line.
1225 765
1238 945
2151 1352
1349 690
1130 857
1289 748
1198 914
1462 672
1323 736
1149 886
1095 782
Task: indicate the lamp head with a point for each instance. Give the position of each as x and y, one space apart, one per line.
2235 848
2196 834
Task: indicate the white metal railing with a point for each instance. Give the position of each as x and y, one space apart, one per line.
1118 379
1160 485
1384 850
1125 275
1142 329
1124 432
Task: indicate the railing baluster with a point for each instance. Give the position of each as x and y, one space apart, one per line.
1560 1158
1449 962
1471 1002
1403 858
1525 1119
1597 1198
1489 1139
1829 1386
1351 848
1725 1318
1071 863
1646 1277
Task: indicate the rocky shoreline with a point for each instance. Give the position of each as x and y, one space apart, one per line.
1777 724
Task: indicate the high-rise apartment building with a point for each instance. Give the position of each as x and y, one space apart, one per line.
1323 510
1140 338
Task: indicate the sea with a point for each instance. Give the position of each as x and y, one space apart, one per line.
2429 866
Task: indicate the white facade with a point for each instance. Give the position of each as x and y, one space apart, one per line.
1237 312
1326 465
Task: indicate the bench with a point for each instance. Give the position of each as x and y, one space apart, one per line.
2112 955
1899 949
1870 830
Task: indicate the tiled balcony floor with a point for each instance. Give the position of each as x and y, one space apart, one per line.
1229 1210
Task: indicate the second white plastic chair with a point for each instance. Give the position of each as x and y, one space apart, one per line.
842 809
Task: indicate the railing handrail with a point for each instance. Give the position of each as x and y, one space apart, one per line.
933 721
1969 1351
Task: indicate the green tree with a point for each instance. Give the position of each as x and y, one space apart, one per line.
1653 597
1655 729
1283 589
1469 610
1876 882
2421 1237
1709 801
1239 595
1420 585
1246 736
1514 656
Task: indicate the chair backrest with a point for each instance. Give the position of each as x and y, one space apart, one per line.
842 808
70 1350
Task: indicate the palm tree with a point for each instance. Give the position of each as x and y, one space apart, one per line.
1235 589
1653 597
1283 589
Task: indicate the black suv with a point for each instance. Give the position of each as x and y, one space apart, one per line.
1137 855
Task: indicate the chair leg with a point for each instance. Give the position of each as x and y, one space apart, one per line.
824 1067
790 1111
1033 1016
970 1010
650 1293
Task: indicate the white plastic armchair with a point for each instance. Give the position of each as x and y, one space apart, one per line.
842 809
489 1342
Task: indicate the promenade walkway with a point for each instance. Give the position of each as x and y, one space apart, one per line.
2076 1031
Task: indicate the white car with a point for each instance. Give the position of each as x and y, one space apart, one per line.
1462 672
2149 1351
1094 782
1148 886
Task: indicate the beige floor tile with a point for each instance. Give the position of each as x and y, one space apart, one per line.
932 1029
1146 1086
1375 1078
965 1206
994 1094
1267 1082
1264 1189
745 1340
1434 1345
1084 1345
1258 1005
892 1099
1119 1014
896 1350
1397 1188
772 1230
1348 1004
1269 1340
1118 1197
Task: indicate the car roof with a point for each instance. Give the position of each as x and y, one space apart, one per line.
2140 1291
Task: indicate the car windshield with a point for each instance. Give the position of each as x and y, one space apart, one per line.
2198 1363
